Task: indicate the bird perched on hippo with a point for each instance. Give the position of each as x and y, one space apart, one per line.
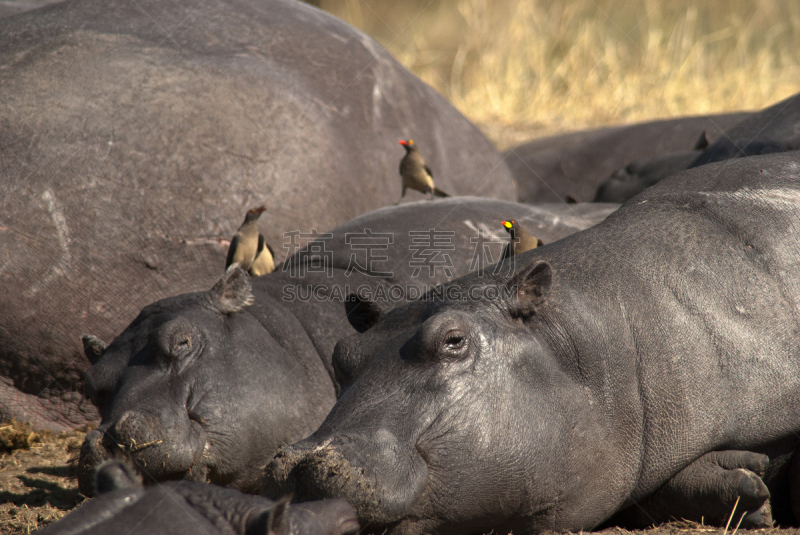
248 242
519 240
644 368
248 248
415 173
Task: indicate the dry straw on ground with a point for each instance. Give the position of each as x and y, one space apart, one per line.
526 68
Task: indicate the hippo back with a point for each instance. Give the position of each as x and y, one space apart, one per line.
551 168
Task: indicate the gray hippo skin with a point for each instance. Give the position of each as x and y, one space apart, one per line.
575 164
204 386
182 507
774 129
134 135
585 378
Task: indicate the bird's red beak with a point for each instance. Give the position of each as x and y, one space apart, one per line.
403 142
260 209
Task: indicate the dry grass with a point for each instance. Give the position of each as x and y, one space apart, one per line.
523 69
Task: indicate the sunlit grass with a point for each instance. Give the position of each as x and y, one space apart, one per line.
523 69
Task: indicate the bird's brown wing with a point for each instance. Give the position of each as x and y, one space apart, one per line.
232 250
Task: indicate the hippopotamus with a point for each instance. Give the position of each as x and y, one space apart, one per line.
553 168
133 135
178 507
774 129
208 385
641 174
648 360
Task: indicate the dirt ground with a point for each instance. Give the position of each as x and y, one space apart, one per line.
38 485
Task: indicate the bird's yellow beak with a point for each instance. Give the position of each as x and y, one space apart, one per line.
506 224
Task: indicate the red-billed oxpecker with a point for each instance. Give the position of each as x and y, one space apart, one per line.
415 173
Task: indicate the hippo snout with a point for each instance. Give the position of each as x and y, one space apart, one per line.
92 455
159 452
381 494
135 431
313 474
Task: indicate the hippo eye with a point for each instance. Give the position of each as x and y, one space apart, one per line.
181 346
454 344
454 340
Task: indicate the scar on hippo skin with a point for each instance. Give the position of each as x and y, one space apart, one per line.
707 490
530 285
233 291
93 347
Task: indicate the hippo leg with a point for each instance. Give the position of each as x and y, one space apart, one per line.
706 491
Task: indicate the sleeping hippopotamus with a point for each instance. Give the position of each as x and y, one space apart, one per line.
653 356
133 135
207 385
180 507
774 129
552 168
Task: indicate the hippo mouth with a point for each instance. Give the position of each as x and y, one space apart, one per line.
156 456
322 471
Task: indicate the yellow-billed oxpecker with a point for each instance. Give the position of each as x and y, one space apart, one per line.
519 240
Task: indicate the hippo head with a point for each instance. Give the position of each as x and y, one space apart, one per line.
185 392
455 417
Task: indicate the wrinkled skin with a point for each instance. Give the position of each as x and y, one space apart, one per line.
204 386
591 378
134 135
575 164
773 129
187 507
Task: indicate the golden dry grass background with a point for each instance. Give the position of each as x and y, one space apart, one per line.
526 68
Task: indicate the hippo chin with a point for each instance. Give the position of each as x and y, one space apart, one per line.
649 363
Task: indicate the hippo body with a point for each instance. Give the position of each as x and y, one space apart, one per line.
587 381
575 164
773 129
180 507
205 386
134 135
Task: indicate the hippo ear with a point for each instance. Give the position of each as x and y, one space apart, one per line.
530 286
232 292
278 522
363 313
116 474
93 347
702 142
